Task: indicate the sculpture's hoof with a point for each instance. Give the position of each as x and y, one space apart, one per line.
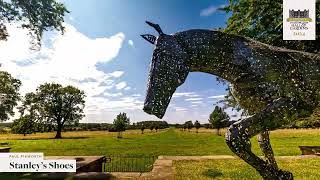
284 175
271 173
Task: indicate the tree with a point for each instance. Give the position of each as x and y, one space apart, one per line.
188 125
55 105
24 125
9 95
177 126
313 121
120 123
156 128
151 127
36 16
217 118
148 124
207 125
184 127
142 128
197 126
262 20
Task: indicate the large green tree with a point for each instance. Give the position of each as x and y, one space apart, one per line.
35 15
142 127
55 105
262 20
189 125
197 125
24 125
218 118
9 95
121 123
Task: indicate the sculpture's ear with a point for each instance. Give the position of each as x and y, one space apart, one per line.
150 38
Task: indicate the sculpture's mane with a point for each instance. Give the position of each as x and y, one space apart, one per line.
257 44
253 43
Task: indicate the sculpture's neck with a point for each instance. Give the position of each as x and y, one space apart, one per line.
215 53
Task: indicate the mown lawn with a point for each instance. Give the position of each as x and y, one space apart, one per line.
165 142
306 169
172 142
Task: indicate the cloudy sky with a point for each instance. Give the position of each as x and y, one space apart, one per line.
102 53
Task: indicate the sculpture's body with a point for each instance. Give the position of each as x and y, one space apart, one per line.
275 84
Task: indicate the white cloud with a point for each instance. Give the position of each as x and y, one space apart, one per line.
68 59
98 105
180 109
127 88
186 94
71 18
136 95
130 42
112 94
193 99
210 10
121 85
217 97
196 102
117 74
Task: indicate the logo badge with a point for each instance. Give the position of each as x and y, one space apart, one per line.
299 20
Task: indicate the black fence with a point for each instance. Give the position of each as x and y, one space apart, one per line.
129 163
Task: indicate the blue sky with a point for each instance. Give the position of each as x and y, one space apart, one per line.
102 53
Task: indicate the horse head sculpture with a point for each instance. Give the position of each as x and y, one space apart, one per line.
168 70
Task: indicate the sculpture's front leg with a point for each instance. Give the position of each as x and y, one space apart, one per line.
239 134
265 146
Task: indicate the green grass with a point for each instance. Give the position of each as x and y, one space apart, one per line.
165 142
172 142
307 169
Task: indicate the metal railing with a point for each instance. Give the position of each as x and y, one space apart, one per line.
119 163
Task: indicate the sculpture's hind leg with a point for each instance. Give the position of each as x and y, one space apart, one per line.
265 146
239 134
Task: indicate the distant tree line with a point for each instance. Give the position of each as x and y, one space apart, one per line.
41 127
218 119
151 125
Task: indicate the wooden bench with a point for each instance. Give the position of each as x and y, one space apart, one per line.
84 163
4 149
310 150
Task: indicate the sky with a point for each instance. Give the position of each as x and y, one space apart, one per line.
102 53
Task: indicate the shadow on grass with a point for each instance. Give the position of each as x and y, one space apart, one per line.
212 173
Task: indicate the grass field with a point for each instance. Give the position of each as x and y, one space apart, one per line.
165 142
306 169
173 142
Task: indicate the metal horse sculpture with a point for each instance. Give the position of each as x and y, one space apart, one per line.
277 85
